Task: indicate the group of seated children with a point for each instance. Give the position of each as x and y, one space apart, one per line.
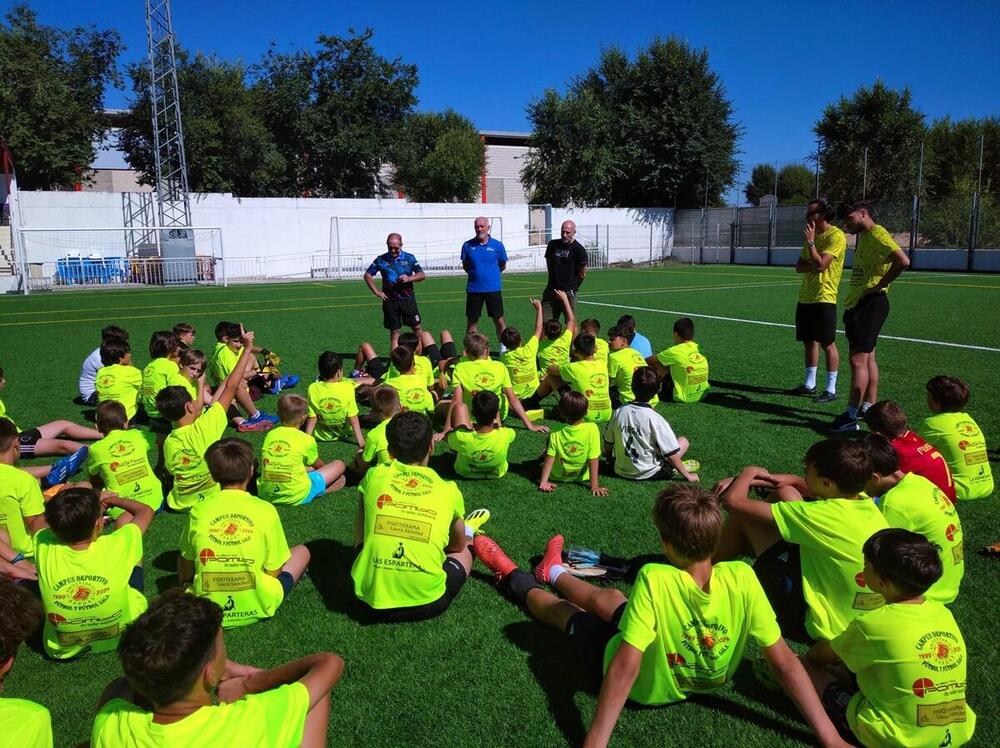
857 557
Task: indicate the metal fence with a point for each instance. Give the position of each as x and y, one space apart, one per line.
960 232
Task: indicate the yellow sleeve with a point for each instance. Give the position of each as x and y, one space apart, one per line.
638 623
278 552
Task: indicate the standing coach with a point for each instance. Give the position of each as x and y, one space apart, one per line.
483 259
566 261
399 271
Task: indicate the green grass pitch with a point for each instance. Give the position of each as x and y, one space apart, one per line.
483 673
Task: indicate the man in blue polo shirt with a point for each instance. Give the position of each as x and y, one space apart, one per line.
399 271
484 258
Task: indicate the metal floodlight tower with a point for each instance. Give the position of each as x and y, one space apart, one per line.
168 135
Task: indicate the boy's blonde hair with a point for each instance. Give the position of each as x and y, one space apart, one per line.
292 408
688 517
476 345
110 416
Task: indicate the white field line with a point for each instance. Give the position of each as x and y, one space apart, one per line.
783 324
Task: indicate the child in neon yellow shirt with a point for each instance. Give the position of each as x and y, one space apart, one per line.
233 550
601 348
682 631
908 656
120 461
584 374
521 356
118 379
622 363
480 451
291 469
414 393
161 371
958 437
385 404
553 349
23 723
223 362
682 364
574 451
190 693
808 553
333 405
22 509
91 583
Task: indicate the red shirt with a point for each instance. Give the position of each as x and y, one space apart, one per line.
921 457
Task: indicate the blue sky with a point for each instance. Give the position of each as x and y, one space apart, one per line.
781 63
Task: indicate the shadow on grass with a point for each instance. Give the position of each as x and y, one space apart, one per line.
330 572
786 416
166 561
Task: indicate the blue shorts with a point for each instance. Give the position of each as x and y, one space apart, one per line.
317 486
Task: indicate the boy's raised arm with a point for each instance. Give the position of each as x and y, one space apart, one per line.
235 379
736 498
570 315
142 515
539 322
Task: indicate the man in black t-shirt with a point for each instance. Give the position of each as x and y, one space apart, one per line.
566 260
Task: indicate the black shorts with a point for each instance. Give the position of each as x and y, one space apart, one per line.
474 305
399 312
27 440
863 322
590 635
835 699
160 426
779 571
455 577
137 579
377 367
816 322
435 354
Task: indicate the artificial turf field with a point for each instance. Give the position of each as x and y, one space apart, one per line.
484 673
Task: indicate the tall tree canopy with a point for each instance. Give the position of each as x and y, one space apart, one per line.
883 120
796 183
51 90
644 132
438 158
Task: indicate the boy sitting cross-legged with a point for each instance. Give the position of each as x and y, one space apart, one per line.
233 550
521 356
639 440
120 461
584 374
683 629
180 688
415 394
118 379
682 365
574 451
291 470
808 553
333 405
622 363
385 404
194 430
908 657
480 451
91 583
23 723
413 545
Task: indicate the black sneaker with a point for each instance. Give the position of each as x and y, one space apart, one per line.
843 424
803 390
826 397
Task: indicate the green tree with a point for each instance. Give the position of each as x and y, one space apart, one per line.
796 184
883 120
645 132
438 157
952 156
51 91
761 183
227 146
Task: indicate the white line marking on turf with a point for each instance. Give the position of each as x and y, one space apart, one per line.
785 324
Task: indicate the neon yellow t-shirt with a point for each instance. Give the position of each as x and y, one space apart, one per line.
25 724
234 539
573 447
331 404
413 393
159 373
377 445
3 414
86 594
962 443
20 497
601 350
554 352
871 261
422 367
481 455
918 505
821 288
179 380
691 640
121 459
621 366
830 534
910 661
221 363
688 369
184 457
590 378
409 511
283 460
121 383
522 367
483 374
274 718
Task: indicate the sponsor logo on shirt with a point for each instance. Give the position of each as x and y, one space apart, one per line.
411 484
940 651
82 592
866 600
924 686
121 449
967 428
710 640
231 529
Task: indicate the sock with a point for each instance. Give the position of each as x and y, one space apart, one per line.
518 584
864 408
469 532
852 411
556 571
810 376
831 382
